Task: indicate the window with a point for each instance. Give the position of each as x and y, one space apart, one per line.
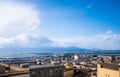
39 73
107 75
33 72
51 72
56 70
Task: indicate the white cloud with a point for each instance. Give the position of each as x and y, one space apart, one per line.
89 6
99 41
108 40
17 18
109 32
25 41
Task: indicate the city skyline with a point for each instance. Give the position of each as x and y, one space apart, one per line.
86 24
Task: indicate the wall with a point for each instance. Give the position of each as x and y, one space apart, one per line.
16 68
104 72
47 72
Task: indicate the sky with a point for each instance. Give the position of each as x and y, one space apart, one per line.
87 24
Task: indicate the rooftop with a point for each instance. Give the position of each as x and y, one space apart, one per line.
44 66
110 66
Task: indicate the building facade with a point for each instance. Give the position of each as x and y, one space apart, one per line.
47 71
108 70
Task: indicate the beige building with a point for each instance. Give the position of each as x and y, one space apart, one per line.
47 71
108 70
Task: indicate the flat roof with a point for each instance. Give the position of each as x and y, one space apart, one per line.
44 66
110 66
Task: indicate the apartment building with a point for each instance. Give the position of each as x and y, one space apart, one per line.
47 71
108 70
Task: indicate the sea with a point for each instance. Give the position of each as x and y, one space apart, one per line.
35 54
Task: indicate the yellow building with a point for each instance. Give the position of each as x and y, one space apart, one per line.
68 65
108 70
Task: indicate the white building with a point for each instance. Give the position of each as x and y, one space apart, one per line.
76 57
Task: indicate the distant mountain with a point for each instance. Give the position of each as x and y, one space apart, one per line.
44 49
106 51
57 49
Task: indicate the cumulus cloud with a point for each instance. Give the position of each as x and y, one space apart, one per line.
107 40
25 41
17 18
17 21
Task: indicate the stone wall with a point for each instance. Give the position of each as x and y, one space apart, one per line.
16 68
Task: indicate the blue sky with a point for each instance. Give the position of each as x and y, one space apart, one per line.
68 18
60 23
